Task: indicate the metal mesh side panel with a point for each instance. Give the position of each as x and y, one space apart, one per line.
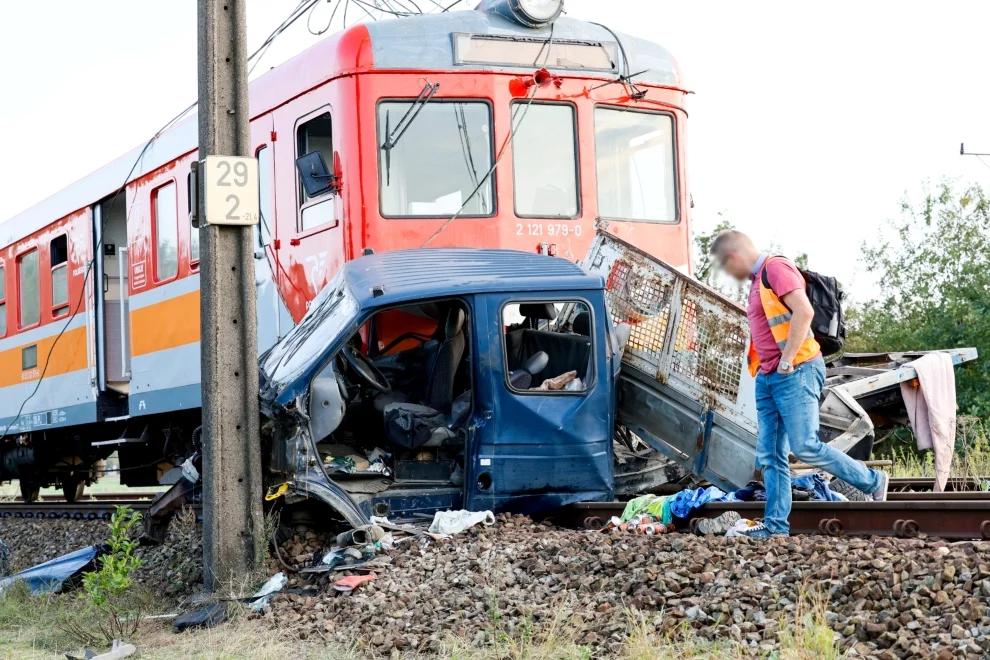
708 341
641 298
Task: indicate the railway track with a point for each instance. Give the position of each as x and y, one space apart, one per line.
954 518
96 507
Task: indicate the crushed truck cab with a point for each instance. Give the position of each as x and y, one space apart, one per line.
436 379
446 379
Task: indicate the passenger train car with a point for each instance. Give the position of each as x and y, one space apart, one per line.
494 127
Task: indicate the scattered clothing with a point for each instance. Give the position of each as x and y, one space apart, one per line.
751 492
685 502
656 506
455 522
717 526
931 407
351 582
751 529
818 487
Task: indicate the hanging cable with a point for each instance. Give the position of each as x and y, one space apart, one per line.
520 111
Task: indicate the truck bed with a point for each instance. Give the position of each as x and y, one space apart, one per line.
684 388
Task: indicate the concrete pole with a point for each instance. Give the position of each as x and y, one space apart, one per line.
233 526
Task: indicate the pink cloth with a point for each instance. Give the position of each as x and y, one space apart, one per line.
784 278
931 406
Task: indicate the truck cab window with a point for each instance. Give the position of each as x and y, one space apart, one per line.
166 225
548 346
544 162
636 166
59 253
29 301
315 134
438 164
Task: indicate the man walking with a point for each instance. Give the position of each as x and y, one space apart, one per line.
790 374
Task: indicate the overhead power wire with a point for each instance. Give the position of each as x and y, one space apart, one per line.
518 116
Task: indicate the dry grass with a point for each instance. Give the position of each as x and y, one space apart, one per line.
806 635
972 456
29 629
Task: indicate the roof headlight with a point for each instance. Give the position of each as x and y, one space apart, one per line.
529 13
538 12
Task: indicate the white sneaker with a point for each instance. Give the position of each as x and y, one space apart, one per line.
881 493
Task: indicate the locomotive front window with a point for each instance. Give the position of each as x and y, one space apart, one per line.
437 163
635 159
544 162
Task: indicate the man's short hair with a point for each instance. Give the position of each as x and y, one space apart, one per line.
728 240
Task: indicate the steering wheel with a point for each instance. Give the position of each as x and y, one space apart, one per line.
365 369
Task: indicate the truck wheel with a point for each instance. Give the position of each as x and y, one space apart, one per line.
72 489
29 491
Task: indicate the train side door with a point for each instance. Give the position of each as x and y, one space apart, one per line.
112 272
273 318
310 228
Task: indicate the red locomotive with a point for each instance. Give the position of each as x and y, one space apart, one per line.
506 126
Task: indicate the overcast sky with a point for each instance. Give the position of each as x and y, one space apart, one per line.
810 121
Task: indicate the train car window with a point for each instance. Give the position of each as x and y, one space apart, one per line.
544 161
636 165
166 227
59 252
315 134
438 164
193 231
29 300
266 195
3 301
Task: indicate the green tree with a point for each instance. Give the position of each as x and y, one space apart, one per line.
933 268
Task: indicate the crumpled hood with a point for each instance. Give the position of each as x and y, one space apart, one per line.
288 367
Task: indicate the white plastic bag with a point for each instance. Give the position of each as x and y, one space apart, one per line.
455 522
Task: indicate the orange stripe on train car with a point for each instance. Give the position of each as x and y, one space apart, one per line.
68 355
167 324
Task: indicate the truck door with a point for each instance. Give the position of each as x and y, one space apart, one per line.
543 423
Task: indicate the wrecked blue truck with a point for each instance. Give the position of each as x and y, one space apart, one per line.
437 379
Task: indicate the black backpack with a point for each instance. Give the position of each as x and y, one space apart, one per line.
826 295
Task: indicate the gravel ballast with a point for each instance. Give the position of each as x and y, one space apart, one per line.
883 597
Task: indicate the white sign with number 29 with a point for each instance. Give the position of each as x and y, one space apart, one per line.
231 190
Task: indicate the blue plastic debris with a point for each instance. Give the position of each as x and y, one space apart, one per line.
51 575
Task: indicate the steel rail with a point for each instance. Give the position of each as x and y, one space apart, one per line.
100 510
950 519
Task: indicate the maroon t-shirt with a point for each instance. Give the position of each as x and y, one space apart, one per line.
784 278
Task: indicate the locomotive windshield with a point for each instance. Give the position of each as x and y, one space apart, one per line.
635 152
439 161
544 156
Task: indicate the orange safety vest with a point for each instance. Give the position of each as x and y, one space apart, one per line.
779 318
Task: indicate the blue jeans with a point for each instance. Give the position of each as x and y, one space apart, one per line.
787 411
